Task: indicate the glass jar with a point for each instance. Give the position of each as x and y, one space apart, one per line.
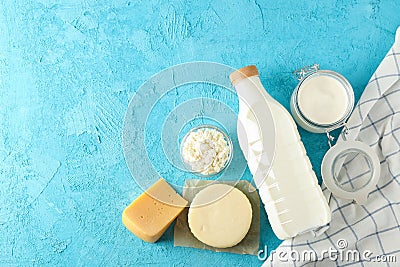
329 112
325 107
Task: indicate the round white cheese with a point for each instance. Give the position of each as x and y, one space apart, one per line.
220 216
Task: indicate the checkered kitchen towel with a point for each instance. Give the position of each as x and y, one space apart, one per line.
362 235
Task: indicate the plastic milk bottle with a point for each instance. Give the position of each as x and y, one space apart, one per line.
287 184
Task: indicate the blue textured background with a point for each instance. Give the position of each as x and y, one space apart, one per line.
68 70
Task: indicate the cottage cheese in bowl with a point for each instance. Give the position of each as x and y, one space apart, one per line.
206 150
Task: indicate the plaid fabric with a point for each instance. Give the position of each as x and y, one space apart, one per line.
371 230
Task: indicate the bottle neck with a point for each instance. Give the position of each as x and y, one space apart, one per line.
251 87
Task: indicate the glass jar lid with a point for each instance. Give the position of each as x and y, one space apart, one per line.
351 170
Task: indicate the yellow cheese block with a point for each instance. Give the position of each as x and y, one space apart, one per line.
149 216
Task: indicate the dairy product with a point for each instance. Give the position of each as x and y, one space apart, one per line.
205 150
149 216
220 216
323 99
289 190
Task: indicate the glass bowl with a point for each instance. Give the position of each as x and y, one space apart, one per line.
205 171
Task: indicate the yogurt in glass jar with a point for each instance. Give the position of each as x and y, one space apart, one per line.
322 101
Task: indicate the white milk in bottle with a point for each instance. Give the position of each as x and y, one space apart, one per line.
289 189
